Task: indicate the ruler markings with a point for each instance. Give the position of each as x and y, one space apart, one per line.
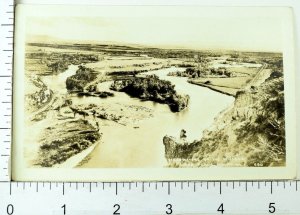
119 186
271 187
10 189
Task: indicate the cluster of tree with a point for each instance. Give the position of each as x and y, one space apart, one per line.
154 89
193 72
185 65
180 54
82 77
62 61
58 66
58 62
276 64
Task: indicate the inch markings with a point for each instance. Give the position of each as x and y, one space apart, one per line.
117 187
147 198
6 64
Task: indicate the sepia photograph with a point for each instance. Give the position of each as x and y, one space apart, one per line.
153 93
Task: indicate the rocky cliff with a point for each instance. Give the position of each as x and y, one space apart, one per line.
249 133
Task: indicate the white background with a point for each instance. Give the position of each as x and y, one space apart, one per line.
295 4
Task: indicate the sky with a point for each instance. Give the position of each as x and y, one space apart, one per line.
229 33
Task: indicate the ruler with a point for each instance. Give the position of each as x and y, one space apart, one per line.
247 197
191 197
6 62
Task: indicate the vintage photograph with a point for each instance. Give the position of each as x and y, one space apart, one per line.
154 91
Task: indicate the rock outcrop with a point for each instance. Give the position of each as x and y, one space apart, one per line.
153 89
177 148
81 79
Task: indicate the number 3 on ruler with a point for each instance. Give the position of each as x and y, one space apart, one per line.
169 207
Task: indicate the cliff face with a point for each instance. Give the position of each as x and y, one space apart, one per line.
249 133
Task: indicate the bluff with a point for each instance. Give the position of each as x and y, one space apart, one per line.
251 132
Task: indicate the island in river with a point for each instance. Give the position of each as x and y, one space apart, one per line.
122 106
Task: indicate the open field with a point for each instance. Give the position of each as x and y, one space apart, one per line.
251 71
228 86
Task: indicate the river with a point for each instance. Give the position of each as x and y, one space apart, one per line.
128 147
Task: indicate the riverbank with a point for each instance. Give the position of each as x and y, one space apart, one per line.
122 114
77 159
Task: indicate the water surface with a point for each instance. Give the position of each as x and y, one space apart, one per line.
125 146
